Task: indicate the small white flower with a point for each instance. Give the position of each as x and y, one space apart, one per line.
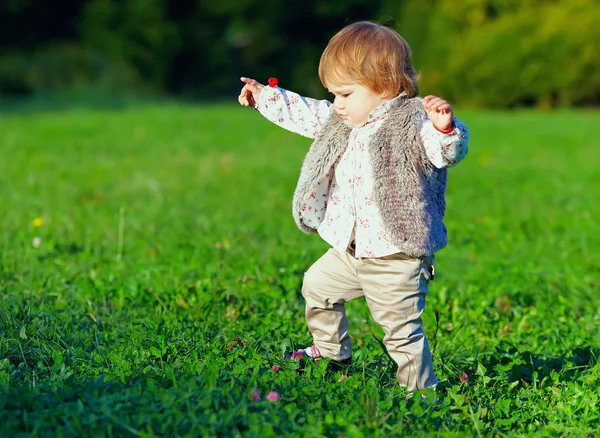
36 242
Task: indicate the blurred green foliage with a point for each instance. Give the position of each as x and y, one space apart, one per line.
504 53
494 53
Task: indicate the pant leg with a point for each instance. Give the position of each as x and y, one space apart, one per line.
329 283
395 292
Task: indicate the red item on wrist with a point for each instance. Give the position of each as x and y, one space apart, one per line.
273 82
446 131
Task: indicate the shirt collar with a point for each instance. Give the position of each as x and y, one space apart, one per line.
381 111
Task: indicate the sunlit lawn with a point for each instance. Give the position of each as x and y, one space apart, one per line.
165 279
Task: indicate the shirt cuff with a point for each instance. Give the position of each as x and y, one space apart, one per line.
429 127
446 131
266 94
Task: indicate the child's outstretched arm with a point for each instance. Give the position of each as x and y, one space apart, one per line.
302 115
445 138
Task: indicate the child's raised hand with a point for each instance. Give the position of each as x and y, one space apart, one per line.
439 112
250 92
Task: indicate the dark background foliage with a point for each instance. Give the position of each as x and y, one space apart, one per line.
495 53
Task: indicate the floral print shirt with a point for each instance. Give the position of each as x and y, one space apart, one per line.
350 211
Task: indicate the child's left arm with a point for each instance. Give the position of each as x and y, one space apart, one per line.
445 138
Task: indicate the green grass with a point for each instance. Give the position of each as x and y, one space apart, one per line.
168 282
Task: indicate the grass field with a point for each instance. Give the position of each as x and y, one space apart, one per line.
151 271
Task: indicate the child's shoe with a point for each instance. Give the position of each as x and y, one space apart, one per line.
313 353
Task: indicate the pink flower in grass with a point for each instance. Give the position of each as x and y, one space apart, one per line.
272 396
296 355
255 395
342 378
464 377
275 368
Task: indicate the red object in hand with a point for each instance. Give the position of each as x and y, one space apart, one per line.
273 82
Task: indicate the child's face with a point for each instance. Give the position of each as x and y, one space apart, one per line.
354 102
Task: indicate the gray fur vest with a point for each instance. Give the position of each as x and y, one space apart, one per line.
408 189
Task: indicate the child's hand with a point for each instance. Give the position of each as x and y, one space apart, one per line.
250 92
439 112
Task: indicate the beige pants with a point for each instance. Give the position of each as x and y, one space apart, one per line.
394 287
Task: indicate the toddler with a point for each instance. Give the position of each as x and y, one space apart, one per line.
373 187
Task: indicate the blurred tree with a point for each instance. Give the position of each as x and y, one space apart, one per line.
25 27
27 24
230 38
505 53
499 53
133 33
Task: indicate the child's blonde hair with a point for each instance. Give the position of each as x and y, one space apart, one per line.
372 55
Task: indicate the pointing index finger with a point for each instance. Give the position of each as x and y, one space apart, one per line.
251 84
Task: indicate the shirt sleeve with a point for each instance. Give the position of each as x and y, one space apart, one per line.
302 115
445 150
